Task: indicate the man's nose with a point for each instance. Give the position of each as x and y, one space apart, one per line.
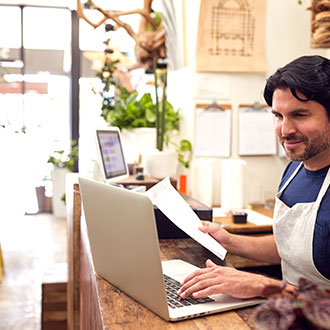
287 127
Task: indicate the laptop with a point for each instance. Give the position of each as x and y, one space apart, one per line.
125 250
111 160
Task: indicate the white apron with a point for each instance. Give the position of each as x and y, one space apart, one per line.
293 232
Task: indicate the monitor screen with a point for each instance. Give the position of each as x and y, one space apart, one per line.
111 155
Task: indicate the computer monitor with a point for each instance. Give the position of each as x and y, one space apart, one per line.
110 153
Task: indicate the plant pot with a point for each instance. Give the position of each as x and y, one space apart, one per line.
160 164
58 179
136 142
44 202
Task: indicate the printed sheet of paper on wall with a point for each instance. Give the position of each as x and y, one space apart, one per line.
231 36
256 131
213 130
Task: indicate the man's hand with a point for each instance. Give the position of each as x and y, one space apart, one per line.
260 248
226 280
217 232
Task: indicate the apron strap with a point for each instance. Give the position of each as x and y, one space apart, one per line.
324 188
291 177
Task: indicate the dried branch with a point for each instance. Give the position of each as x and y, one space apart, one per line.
107 15
149 44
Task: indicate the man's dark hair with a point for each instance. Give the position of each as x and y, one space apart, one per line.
308 74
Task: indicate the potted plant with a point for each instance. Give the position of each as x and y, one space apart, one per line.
134 114
63 163
124 108
308 307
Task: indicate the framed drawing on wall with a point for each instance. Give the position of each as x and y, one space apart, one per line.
231 36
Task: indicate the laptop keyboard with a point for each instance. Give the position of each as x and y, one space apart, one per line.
172 286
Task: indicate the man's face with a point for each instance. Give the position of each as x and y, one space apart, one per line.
303 129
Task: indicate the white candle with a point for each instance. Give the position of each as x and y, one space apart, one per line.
232 184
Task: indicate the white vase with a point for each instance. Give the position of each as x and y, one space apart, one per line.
160 164
58 179
138 141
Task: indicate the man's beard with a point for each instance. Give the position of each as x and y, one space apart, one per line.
312 149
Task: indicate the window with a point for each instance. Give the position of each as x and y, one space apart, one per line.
10 27
52 30
35 98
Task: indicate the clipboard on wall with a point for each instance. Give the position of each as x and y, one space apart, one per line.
256 127
213 130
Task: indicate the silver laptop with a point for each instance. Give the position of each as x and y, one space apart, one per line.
125 250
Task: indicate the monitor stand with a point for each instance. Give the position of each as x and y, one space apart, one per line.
97 176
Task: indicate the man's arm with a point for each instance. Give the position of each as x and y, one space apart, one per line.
259 248
217 279
227 280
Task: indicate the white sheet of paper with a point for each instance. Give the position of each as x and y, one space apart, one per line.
258 218
256 132
169 201
212 133
252 216
219 212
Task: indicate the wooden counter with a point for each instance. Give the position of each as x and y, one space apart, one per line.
103 306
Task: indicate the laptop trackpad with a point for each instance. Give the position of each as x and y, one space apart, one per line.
177 269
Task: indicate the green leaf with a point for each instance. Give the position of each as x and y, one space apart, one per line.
157 16
131 98
58 159
150 115
146 100
185 145
139 122
132 111
184 153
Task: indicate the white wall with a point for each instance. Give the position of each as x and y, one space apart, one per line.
287 36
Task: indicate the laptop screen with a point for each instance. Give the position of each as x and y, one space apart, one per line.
112 160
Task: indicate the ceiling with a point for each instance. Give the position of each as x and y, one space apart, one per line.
51 3
105 4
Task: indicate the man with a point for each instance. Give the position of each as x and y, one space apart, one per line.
299 94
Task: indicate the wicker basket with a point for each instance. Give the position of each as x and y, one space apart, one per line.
320 27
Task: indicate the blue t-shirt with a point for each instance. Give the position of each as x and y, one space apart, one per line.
304 188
